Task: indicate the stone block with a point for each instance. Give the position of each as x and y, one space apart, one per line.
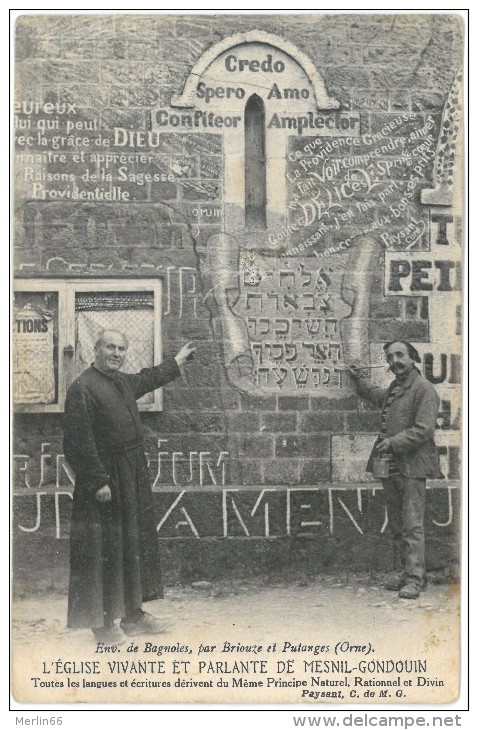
313 471
142 96
187 145
26 261
89 95
154 27
346 77
385 77
426 100
66 72
188 49
388 54
195 27
118 49
256 403
64 260
194 399
40 36
370 100
210 444
91 27
334 404
303 446
199 375
350 455
281 471
164 92
154 74
173 72
327 44
184 422
245 472
364 421
242 422
399 100
322 422
389 308
119 72
200 190
279 422
129 119
231 398
195 329
28 80
107 260
417 29
293 403
162 191
42 27
346 446
143 48
211 167
385 330
118 97
254 446
231 24
365 30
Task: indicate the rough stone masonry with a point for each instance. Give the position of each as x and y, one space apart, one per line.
289 182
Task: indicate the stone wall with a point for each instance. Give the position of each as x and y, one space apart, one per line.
149 202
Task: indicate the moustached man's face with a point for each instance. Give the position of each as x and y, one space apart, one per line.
399 360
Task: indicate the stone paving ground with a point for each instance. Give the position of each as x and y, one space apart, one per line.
358 600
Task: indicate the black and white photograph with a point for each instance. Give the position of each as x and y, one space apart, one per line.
237 332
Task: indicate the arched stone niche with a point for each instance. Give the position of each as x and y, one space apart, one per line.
220 86
287 324
188 96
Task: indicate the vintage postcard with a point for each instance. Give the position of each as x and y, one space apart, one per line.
237 335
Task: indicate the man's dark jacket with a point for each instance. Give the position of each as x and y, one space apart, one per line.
410 424
114 562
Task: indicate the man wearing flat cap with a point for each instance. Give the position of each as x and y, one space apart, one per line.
404 455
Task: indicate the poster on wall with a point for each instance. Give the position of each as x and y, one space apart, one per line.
33 369
287 529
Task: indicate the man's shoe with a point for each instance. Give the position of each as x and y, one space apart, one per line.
146 624
111 635
395 583
398 582
410 590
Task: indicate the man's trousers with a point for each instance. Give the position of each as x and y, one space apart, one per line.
405 500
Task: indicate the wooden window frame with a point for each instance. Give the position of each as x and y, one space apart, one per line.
66 289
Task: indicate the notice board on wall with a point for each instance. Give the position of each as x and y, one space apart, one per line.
296 183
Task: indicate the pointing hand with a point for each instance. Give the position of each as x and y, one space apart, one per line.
185 353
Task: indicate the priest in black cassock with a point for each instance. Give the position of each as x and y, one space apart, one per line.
114 561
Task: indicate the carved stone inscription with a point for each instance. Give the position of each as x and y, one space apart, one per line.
293 315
